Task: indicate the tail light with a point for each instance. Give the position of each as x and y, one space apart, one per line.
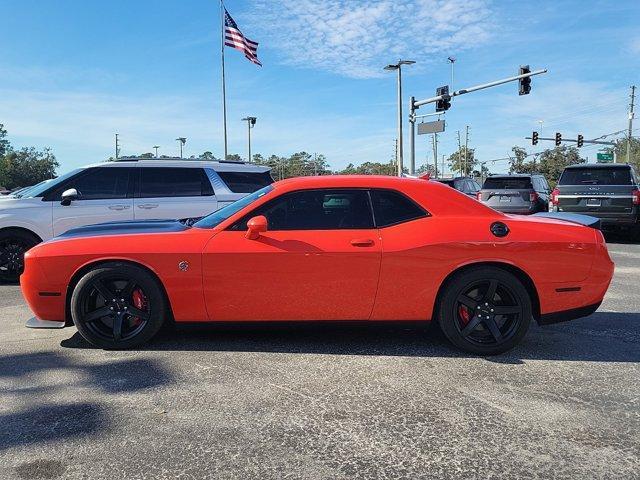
533 197
479 196
636 197
554 197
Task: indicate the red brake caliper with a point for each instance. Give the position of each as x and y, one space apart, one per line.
463 312
140 302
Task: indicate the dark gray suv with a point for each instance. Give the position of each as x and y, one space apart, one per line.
521 194
610 192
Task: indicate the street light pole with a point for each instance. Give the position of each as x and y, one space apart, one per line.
398 67
251 121
156 147
181 141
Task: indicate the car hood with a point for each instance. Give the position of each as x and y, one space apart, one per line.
126 228
13 203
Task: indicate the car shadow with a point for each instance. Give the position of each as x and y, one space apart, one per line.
601 337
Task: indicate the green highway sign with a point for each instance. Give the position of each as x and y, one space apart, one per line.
605 157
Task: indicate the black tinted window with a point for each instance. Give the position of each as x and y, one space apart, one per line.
174 182
99 184
315 210
596 176
392 207
507 183
246 182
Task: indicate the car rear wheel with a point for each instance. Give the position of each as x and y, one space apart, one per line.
485 310
118 306
13 246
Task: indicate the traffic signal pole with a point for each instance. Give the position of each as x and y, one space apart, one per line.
553 139
415 105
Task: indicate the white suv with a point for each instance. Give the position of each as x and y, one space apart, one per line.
128 189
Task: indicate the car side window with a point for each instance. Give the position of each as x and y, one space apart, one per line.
323 209
98 184
391 208
174 182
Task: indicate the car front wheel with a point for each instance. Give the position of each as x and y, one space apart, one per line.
118 306
485 310
13 246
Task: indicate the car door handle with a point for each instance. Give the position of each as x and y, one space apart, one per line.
362 242
148 206
118 207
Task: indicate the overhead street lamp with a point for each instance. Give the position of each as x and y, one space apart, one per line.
251 122
398 68
181 141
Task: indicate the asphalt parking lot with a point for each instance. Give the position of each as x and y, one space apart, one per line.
326 402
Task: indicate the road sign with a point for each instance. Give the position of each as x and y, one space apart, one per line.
605 157
431 127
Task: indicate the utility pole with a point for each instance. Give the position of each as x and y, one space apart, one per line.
633 97
251 122
117 147
442 165
398 67
460 155
466 154
156 147
434 140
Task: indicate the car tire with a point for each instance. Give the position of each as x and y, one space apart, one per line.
484 310
118 306
13 245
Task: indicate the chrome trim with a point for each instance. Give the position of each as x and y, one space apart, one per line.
35 322
588 195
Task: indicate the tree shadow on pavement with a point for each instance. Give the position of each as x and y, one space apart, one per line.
601 337
37 417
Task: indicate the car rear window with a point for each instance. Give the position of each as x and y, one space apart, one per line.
246 182
507 183
451 183
596 176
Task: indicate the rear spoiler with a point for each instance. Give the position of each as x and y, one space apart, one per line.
585 220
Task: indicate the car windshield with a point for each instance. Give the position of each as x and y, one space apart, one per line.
507 183
40 188
596 176
219 216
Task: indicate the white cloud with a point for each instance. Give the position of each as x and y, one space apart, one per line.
355 37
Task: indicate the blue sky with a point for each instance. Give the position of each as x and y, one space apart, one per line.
72 73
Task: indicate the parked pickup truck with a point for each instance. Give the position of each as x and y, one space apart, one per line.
609 192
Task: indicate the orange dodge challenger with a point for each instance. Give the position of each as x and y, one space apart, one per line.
367 248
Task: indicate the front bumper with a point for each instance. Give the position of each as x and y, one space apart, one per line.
35 322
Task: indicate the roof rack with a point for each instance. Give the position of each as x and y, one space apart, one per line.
175 159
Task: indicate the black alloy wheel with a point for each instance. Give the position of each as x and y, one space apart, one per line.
118 306
485 310
13 246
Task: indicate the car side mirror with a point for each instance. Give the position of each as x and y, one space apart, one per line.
256 226
68 196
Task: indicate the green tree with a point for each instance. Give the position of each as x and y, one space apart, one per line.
27 166
147 155
463 161
208 156
620 150
5 146
369 168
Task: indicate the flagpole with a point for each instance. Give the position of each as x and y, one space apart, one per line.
224 88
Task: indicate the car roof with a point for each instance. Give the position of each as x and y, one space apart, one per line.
219 166
598 165
513 175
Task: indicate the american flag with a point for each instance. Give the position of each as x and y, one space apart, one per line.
234 38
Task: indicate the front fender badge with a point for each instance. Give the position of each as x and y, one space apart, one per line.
183 266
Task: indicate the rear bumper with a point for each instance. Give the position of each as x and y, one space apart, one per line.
566 315
606 219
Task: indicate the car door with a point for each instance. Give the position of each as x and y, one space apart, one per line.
319 260
103 196
173 193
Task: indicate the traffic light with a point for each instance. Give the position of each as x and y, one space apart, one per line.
524 84
580 141
534 138
558 139
444 104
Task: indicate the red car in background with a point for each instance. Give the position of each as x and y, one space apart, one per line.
324 248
